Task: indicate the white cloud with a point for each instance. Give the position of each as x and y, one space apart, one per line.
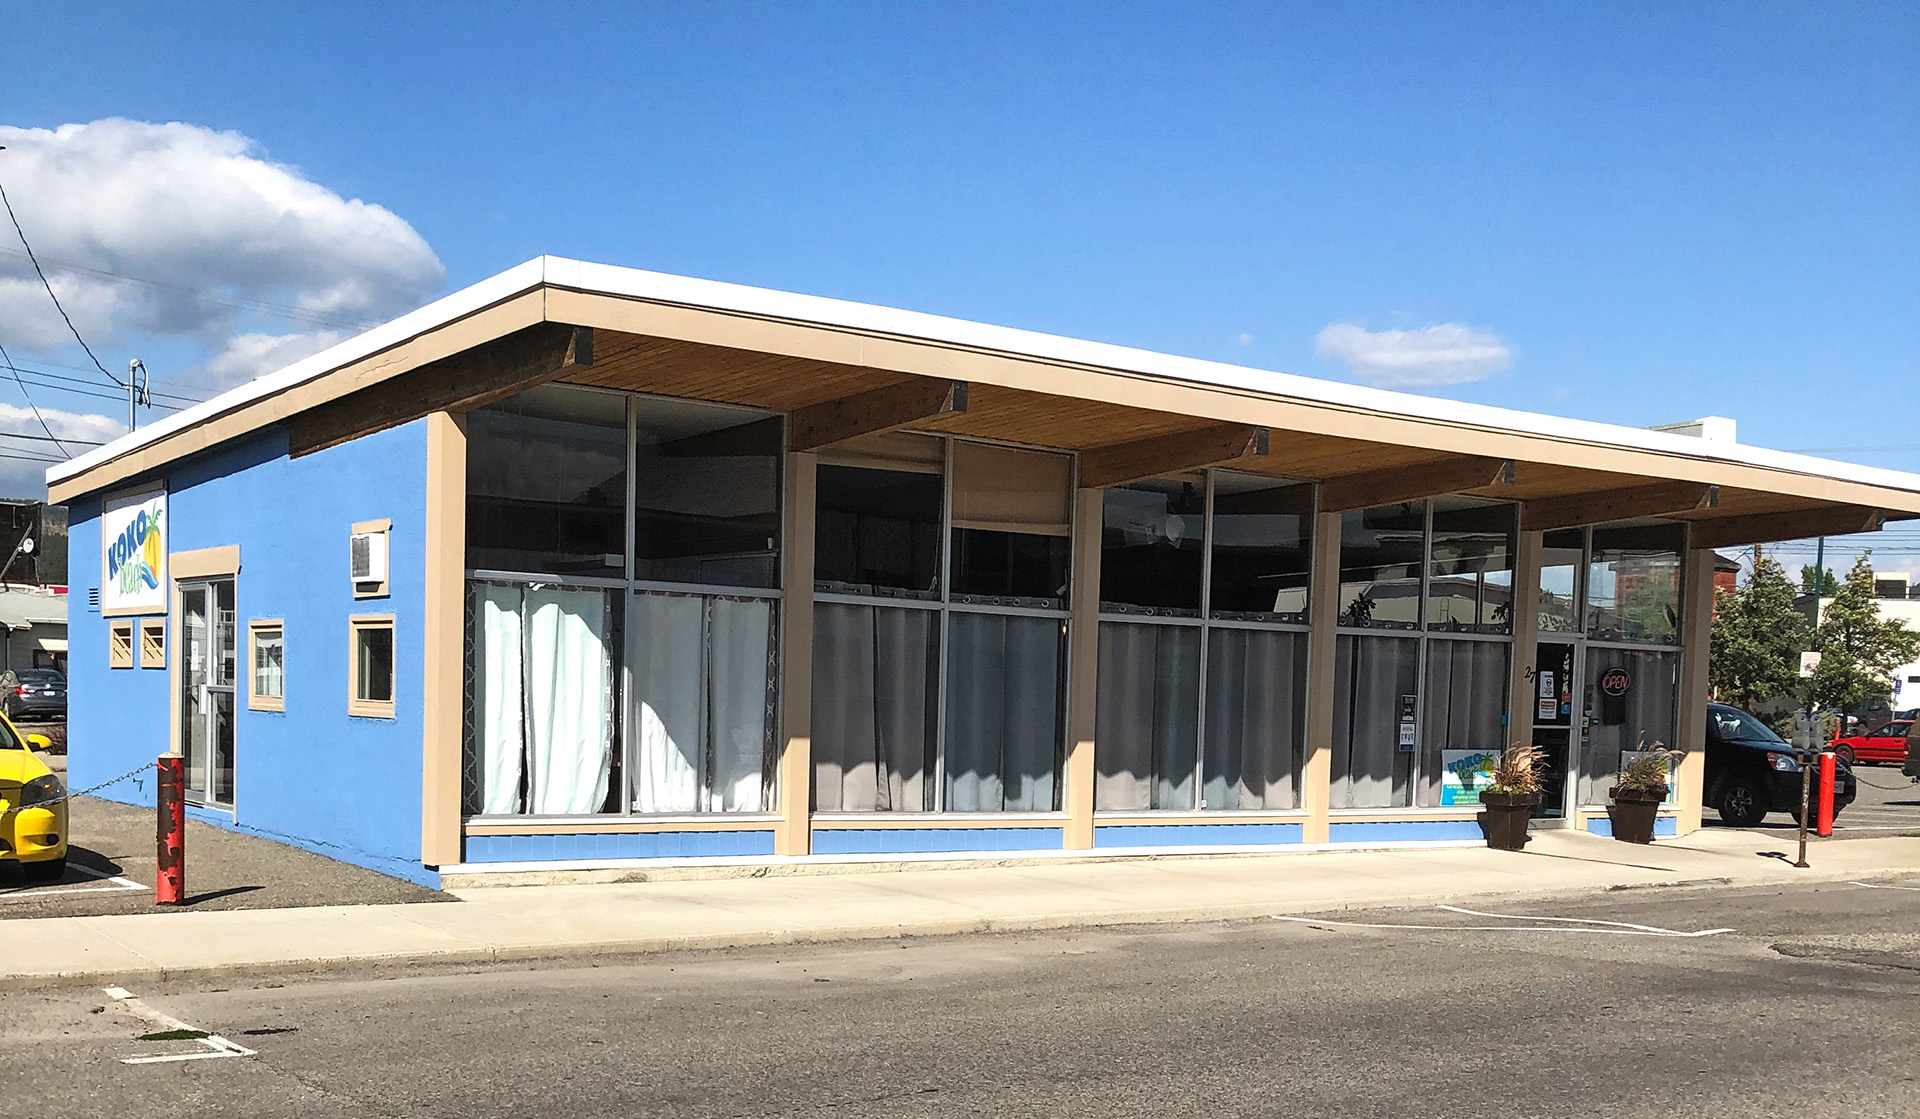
1426 357
21 474
214 228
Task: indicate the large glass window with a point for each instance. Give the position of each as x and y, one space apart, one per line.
1262 548
1151 554
547 483
1381 554
706 494
1633 583
1470 566
1202 708
939 674
600 680
1632 699
1563 564
1376 682
1466 712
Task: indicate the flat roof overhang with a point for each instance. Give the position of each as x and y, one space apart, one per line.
843 369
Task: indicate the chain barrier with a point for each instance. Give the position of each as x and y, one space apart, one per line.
71 793
1911 782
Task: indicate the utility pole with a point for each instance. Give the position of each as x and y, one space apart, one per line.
139 390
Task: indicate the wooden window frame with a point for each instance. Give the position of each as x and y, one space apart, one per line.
120 643
383 527
368 708
255 700
153 642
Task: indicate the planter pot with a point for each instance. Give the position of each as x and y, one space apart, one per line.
1633 812
1505 820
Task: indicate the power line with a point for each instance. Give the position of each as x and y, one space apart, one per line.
90 384
28 397
50 438
8 203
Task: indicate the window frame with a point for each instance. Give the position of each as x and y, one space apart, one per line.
120 642
357 706
256 699
383 528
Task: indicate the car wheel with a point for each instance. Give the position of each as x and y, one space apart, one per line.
1846 754
50 871
1742 803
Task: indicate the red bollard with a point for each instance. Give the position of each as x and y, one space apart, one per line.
1825 817
170 883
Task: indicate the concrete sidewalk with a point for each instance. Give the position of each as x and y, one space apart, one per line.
549 922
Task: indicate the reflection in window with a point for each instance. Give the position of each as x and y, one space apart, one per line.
547 482
1642 714
877 532
1633 584
1381 551
1470 584
1151 546
707 494
1012 526
1563 560
1261 548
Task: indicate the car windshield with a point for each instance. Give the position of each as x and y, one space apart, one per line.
8 739
40 676
1730 724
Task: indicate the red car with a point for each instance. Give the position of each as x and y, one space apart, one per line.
1883 744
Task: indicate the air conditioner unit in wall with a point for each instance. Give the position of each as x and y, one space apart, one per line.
369 557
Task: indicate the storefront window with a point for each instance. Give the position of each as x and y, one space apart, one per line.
1148 716
1633 584
1466 709
1151 547
1255 719
1012 526
877 531
1262 548
876 685
1631 701
706 494
1470 576
1376 720
547 483
1003 719
1381 553
1563 561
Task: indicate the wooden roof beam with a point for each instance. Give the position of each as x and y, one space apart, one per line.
1661 499
1765 528
875 411
1412 483
467 380
1120 463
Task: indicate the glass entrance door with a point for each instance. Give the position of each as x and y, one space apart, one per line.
207 664
1556 727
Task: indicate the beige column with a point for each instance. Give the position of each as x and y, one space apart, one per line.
1083 669
443 640
794 786
1696 636
1526 638
1323 617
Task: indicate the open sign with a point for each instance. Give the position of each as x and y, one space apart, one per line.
1615 682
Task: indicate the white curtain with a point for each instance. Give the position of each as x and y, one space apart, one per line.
569 717
669 701
497 697
739 646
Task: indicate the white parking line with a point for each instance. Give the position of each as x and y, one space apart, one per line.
1570 925
1877 886
116 884
215 1045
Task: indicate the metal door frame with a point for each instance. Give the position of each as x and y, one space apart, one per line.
203 700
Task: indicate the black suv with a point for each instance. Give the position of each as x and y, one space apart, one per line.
1752 771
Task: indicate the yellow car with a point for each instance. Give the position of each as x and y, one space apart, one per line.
33 807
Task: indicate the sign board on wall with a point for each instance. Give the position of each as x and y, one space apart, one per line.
133 553
1628 757
1465 774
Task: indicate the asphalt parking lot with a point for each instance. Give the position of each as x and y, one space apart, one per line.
112 857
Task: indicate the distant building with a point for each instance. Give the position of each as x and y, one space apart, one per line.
33 585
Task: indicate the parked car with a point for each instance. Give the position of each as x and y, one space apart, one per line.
1752 771
33 808
1882 744
33 693
1912 768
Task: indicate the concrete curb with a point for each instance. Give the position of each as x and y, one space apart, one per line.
613 953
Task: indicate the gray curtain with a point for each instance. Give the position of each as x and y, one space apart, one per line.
1003 713
1650 708
1256 711
1465 704
1370 676
874 695
702 711
1147 720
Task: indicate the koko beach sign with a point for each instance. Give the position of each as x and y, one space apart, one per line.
133 553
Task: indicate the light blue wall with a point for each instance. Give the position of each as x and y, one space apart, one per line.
314 777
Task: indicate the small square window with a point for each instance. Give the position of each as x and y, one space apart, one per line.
120 644
370 657
367 555
153 643
267 656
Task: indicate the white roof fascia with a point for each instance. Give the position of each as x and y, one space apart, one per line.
634 283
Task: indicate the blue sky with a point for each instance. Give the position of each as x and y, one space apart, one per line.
1656 213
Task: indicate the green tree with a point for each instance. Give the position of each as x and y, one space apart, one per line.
1859 649
1758 637
1827 586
